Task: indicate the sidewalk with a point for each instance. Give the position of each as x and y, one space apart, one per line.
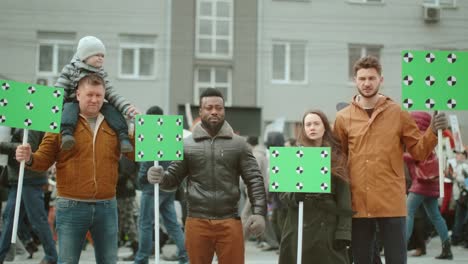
256 256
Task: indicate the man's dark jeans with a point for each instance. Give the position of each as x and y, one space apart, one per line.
393 238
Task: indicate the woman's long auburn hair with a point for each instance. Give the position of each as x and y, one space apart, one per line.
338 157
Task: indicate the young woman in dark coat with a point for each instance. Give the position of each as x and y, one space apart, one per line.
327 217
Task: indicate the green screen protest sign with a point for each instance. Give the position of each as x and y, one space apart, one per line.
300 169
30 106
159 137
434 80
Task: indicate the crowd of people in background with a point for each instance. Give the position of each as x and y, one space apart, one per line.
378 190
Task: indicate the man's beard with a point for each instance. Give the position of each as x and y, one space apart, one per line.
369 96
212 128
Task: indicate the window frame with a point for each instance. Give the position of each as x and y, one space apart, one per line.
212 84
55 43
441 3
287 63
364 52
136 47
367 2
213 37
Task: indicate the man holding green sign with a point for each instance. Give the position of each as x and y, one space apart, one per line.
86 178
374 131
214 157
30 107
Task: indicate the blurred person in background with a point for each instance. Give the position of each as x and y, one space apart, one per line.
460 194
425 189
276 207
126 204
269 239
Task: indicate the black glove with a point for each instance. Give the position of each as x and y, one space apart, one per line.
340 244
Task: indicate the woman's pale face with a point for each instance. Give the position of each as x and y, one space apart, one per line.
314 128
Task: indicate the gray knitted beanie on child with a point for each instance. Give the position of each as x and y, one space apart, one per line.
89 46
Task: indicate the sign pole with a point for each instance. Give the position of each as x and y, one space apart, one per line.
299 232
156 219
440 155
19 191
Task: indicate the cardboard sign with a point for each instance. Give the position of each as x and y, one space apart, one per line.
300 169
30 106
159 137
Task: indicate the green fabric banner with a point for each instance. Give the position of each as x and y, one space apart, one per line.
159 137
30 106
434 80
300 169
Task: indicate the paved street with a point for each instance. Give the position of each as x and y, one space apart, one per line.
256 256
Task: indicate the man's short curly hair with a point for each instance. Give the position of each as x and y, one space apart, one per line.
367 62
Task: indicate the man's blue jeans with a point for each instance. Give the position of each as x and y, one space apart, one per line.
146 221
392 232
32 197
431 206
75 218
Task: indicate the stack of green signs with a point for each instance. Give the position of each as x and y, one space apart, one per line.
434 80
300 169
159 137
30 106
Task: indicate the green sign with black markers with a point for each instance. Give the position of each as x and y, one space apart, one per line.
159 137
434 80
30 106
300 169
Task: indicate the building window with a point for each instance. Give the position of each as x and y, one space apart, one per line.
137 57
292 0
214 29
357 51
213 77
55 50
367 1
442 3
289 62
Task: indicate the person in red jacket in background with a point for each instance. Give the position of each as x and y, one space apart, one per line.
425 190
448 185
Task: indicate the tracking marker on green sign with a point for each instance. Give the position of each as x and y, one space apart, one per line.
159 137
30 106
300 169
434 80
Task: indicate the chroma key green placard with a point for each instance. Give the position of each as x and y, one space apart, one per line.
434 80
300 169
30 106
159 137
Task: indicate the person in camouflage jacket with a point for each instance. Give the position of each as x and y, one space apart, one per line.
89 58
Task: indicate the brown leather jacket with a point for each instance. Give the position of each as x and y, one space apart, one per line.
88 171
212 166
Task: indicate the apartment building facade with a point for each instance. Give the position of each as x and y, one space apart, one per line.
307 48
